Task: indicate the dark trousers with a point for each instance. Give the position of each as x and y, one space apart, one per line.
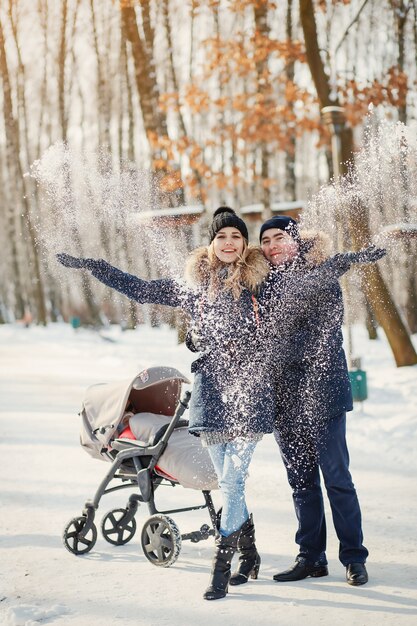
304 454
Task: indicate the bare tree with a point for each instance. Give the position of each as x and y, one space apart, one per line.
401 10
20 200
64 45
145 71
11 134
290 190
262 28
377 291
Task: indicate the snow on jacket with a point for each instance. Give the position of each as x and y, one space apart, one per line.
309 364
233 391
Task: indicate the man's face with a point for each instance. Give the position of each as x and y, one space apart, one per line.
278 246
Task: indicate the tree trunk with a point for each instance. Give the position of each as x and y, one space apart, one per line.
145 74
380 298
410 307
103 95
261 25
104 164
131 128
61 71
10 124
378 294
16 175
154 120
371 325
174 84
93 310
411 303
290 182
36 287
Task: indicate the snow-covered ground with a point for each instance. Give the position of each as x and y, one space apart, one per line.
46 478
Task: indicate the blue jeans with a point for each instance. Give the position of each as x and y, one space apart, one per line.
304 456
231 461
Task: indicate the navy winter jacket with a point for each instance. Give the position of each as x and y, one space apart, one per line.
309 365
233 391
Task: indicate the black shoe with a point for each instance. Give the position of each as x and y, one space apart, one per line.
302 569
356 574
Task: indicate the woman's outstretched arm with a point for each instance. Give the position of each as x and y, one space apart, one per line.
162 291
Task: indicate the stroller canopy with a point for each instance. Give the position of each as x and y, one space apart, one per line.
154 390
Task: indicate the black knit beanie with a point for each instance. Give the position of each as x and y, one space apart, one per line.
225 216
283 222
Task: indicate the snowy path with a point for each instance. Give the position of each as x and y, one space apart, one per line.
46 478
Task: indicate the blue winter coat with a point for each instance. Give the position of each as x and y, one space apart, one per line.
309 368
233 391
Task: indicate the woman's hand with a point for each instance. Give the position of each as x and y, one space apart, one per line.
76 262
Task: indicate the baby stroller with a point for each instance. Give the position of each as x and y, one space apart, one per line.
137 427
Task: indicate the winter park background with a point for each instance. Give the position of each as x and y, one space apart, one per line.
123 125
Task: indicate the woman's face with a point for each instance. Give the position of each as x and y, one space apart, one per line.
228 244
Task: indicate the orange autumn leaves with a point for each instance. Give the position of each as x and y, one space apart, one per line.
237 105
392 89
244 100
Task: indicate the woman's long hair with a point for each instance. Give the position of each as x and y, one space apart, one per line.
204 270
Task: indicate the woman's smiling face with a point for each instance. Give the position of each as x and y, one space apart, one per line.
228 244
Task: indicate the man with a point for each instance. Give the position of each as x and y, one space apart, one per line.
314 394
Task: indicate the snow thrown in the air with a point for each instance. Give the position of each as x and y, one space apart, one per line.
89 206
89 209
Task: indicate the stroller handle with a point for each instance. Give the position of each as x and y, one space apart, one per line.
185 401
181 408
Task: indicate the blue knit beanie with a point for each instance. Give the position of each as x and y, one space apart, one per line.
225 216
283 222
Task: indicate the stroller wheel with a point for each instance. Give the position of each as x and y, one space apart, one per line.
115 530
161 540
76 543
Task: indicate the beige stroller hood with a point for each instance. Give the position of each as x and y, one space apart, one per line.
154 390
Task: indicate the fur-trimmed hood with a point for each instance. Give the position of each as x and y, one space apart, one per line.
254 270
318 246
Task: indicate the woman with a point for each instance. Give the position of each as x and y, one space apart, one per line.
232 403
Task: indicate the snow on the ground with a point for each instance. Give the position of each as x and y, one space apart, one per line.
46 478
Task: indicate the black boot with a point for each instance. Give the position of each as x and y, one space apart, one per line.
221 566
249 559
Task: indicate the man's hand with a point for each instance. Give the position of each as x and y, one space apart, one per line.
193 341
371 254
